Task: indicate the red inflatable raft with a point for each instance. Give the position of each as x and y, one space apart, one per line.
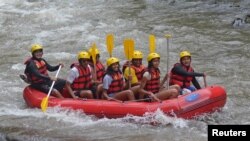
186 106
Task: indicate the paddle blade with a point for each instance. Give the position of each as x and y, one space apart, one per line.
93 53
44 104
129 46
151 43
168 36
110 43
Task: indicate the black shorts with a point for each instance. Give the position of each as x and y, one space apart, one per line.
77 93
92 89
44 87
147 98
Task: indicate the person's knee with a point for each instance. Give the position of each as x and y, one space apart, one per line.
174 92
100 86
55 91
89 94
177 87
129 92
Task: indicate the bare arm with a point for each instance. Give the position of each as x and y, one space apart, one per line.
70 90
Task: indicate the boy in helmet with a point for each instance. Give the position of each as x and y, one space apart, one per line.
135 75
37 73
137 68
114 83
150 84
183 74
79 79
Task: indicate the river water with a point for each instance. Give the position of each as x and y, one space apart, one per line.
66 27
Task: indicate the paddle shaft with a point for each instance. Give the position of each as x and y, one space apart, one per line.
94 67
168 61
129 73
205 81
53 83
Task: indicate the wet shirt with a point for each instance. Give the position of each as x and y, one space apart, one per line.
132 73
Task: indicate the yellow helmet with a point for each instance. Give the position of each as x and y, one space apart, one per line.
112 60
83 55
35 47
153 56
137 55
96 50
185 53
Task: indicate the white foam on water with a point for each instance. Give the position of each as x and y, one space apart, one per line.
233 43
73 117
60 55
92 38
18 66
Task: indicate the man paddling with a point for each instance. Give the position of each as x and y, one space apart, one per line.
37 73
183 74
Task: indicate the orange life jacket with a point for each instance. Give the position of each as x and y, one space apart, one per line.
182 81
139 71
116 84
84 79
100 71
153 85
42 68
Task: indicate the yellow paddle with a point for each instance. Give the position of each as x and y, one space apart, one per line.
93 54
110 43
205 81
44 103
168 36
151 43
129 50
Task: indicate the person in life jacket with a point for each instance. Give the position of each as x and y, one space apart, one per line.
98 75
114 83
79 80
137 68
37 73
150 84
183 74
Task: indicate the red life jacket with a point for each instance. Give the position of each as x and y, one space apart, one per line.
100 71
139 71
153 85
42 68
83 81
182 81
117 83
